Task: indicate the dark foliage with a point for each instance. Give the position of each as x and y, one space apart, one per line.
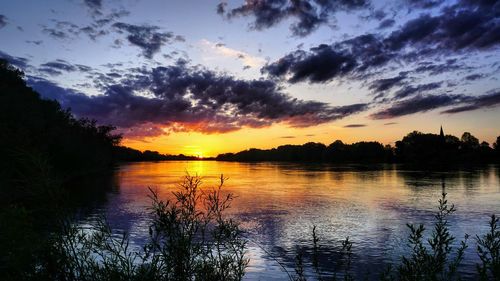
41 146
36 128
316 152
415 148
127 154
423 148
432 259
189 239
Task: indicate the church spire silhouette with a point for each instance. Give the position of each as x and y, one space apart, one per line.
441 135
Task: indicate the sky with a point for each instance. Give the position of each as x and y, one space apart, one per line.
206 77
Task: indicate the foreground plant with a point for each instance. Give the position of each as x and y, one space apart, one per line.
488 249
432 261
190 239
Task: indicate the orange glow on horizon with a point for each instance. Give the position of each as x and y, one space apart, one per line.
204 145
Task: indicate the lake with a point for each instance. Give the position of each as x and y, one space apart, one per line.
277 205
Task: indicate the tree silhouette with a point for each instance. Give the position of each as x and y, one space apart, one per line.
415 148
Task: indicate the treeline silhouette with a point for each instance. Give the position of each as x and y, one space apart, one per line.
39 137
36 132
127 154
42 146
417 147
414 148
44 149
315 152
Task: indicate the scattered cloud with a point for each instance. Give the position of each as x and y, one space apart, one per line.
474 77
409 90
94 6
416 104
19 62
61 29
484 101
381 86
183 98
467 26
437 68
147 37
59 66
35 42
306 16
424 4
386 23
355 125
3 21
325 62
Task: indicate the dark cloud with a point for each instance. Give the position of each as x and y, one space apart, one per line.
378 15
474 77
94 6
19 62
355 126
58 66
36 42
111 17
83 68
383 85
468 26
99 26
147 37
326 62
55 33
50 71
321 64
484 101
221 8
61 29
307 16
390 123
424 4
287 137
193 99
93 32
436 68
409 90
114 75
386 23
112 65
3 21
416 104
412 32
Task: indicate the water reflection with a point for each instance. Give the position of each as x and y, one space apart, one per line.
278 203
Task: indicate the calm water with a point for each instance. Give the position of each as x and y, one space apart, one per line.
277 204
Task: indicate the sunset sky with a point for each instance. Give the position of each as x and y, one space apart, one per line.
205 77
